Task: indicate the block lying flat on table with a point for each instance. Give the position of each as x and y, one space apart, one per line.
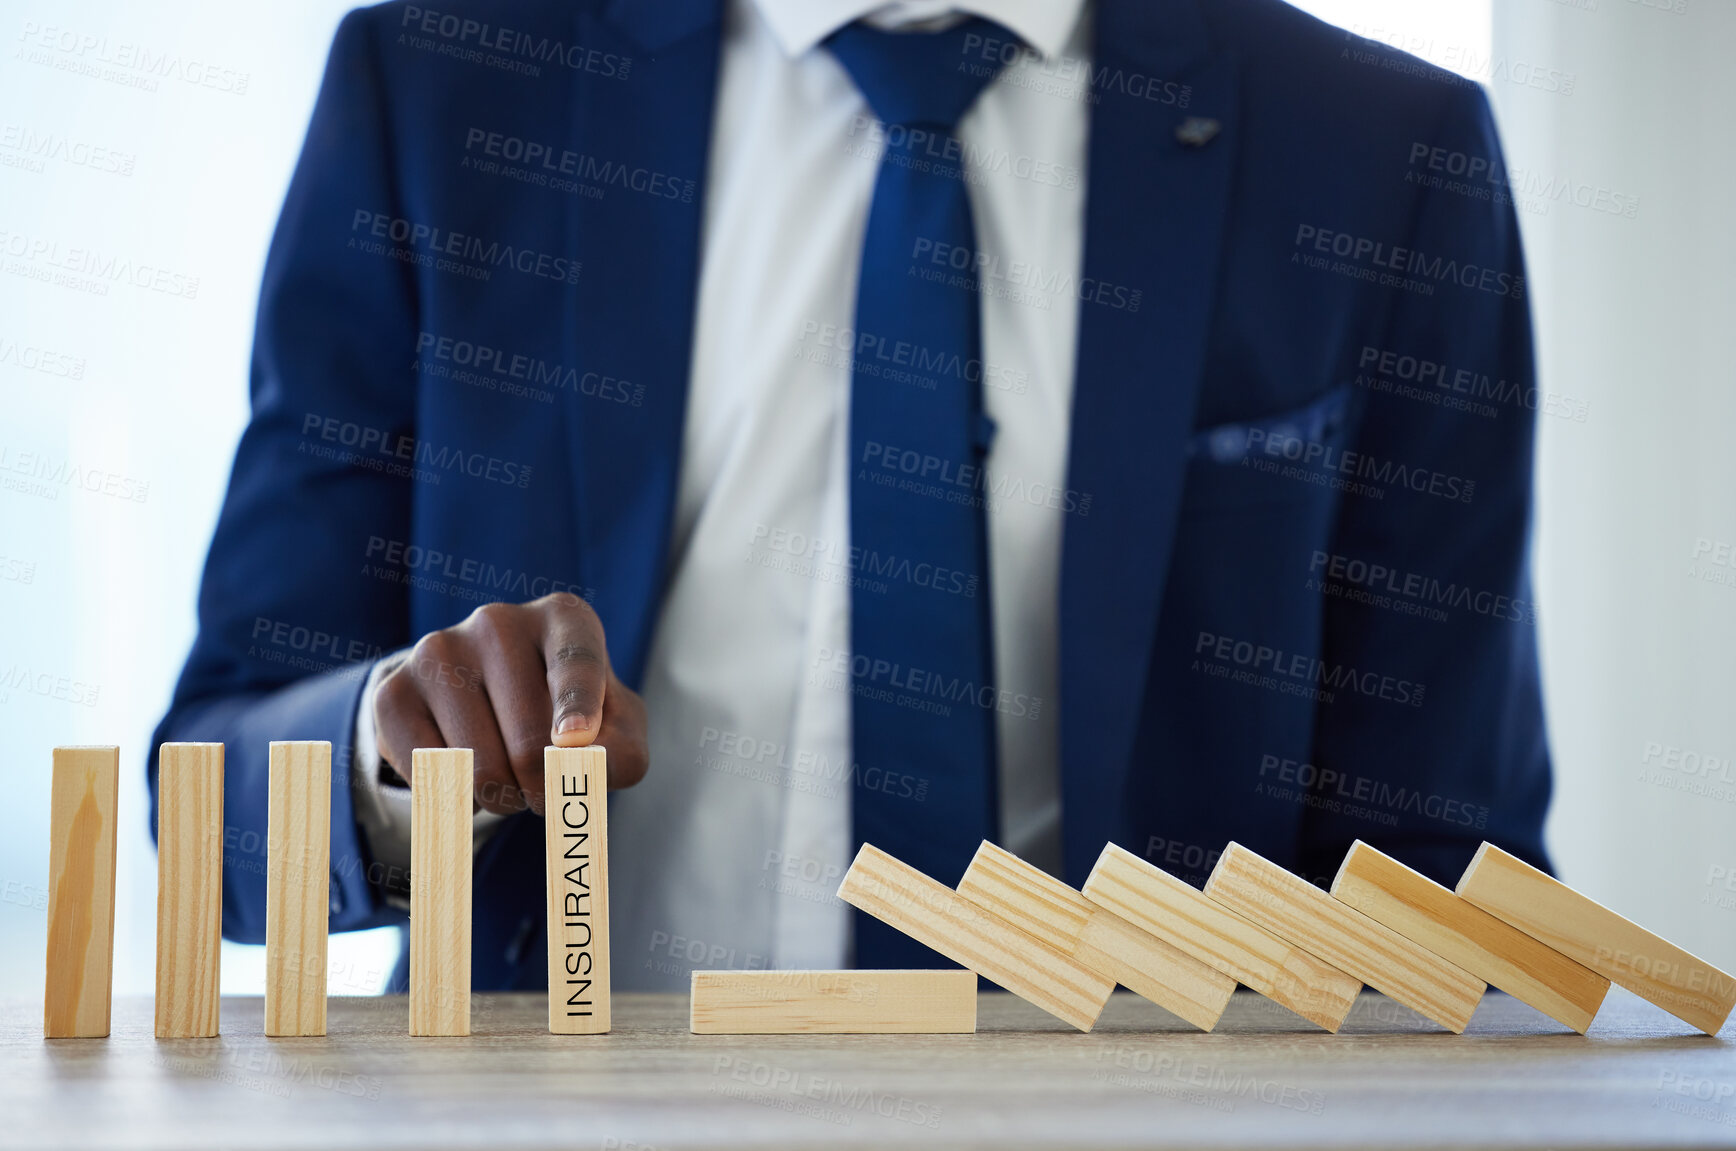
442 792
1041 905
1162 905
297 886
576 835
1426 913
934 914
189 888
81 892
1591 934
1294 909
833 1002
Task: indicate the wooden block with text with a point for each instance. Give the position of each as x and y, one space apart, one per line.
189 888
81 892
576 832
833 1002
297 886
1041 905
442 792
934 914
1294 909
1591 934
1428 914
1172 910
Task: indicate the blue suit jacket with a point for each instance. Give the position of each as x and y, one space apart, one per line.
1278 323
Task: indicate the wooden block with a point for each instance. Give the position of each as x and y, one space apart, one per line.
1294 909
576 831
189 888
933 914
442 792
1162 905
297 887
1591 934
1428 914
1041 905
81 892
833 1002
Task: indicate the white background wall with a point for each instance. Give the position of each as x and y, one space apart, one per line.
96 591
1618 118
1638 317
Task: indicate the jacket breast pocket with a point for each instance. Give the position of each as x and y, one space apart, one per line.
1279 459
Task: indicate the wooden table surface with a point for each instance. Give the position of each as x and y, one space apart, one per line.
1262 1078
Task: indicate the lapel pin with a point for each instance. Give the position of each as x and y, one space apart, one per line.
1197 131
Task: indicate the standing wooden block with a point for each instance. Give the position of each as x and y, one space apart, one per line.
934 914
576 832
297 887
1041 905
1162 905
1591 934
1294 909
81 892
1426 913
442 792
833 1002
189 888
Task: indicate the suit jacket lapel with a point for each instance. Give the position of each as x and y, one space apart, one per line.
1154 222
634 307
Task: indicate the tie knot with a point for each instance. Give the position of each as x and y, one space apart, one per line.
921 77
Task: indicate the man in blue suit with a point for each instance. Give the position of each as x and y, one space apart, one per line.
1056 423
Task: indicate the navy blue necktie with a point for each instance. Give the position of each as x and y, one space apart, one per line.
921 675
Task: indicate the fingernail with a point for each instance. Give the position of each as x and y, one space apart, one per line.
572 723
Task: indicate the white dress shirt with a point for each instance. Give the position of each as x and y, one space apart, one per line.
729 853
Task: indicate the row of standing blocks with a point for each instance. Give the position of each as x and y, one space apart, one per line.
190 849
1433 950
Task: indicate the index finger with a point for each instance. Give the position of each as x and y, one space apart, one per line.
577 659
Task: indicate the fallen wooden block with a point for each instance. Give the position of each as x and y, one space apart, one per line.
833 1002
442 792
576 832
1041 905
297 886
1591 934
189 888
1164 906
1426 913
936 915
1294 909
81 892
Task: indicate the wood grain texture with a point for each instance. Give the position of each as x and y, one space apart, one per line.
297 886
833 1002
576 832
83 795
1162 905
1142 1078
1426 913
442 794
934 914
1591 934
1294 909
189 888
1041 905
